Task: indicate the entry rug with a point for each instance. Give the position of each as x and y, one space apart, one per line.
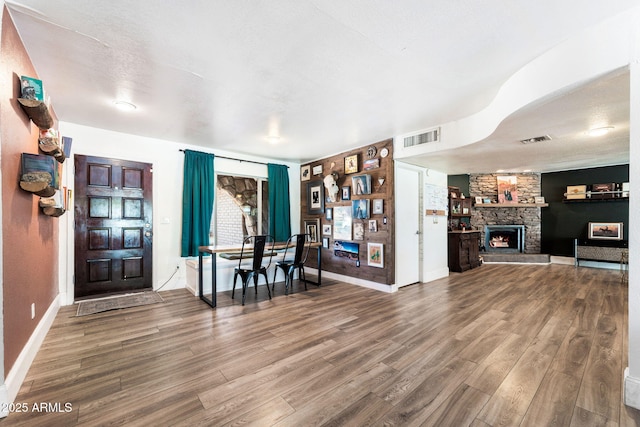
115 303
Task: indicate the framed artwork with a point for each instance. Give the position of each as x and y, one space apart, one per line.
576 192
539 199
358 231
373 226
478 200
317 170
315 197
346 193
312 228
361 184
371 164
351 164
360 209
328 212
342 223
346 250
326 229
325 242
507 189
605 230
377 206
375 255
305 173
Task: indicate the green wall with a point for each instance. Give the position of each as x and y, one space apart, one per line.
563 222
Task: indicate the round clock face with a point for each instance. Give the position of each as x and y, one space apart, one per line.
384 152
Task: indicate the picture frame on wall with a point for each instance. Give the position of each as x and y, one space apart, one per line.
326 229
351 164
373 226
378 206
358 231
361 184
360 209
312 228
328 213
346 193
606 230
375 255
317 170
342 223
305 173
325 243
315 197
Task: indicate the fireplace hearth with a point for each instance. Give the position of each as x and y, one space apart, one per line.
504 238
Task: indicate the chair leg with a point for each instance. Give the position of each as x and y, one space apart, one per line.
235 279
255 282
267 282
244 288
303 276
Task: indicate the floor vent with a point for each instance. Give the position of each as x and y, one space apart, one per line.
432 135
536 139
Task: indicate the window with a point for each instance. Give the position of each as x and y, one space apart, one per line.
241 209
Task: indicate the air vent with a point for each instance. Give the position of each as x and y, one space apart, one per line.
432 135
536 139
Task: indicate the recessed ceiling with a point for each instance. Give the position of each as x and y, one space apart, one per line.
324 76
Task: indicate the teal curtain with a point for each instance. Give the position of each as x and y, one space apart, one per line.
279 203
197 201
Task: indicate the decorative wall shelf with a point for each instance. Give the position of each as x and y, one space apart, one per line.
38 112
512 205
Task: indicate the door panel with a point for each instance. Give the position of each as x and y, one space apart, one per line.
113 233
407 226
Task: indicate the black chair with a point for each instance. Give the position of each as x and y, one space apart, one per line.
298 246
255 259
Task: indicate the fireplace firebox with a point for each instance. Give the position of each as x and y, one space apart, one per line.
504 238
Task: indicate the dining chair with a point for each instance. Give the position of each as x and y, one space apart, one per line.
255 259
295 255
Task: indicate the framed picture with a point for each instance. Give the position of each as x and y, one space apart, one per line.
346 193
377 206
361 184
358 231
507 189
315 197
375 255
342 223
326 229
575 192
328 213
325 242
351 164
605 230
478 200
360 209
312 228
371 164
348 250
373 226
317 170
539 199
305 173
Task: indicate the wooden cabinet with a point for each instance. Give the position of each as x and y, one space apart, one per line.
464 250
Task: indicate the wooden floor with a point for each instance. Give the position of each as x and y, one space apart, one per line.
504 345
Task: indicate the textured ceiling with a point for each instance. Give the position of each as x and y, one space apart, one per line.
324 76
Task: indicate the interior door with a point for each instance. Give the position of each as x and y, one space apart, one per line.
407 226
113 226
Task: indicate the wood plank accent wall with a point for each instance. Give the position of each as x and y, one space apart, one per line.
385 233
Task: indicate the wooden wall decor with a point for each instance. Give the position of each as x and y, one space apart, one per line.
376 161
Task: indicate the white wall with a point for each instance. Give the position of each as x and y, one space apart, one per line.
167 163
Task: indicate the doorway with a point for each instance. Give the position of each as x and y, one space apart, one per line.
113 227
408 258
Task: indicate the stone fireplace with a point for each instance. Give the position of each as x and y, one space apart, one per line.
504 238
528 218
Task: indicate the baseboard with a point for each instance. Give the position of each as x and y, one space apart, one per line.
631 390
17 374
354 280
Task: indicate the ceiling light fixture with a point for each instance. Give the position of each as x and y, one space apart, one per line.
273 139
125 106
600 131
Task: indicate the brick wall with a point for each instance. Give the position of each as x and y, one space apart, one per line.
486 186
229 229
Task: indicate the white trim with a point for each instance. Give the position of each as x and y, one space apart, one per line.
355 281
631 390
20 368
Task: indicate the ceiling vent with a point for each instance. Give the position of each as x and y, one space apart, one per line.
423 137
536 139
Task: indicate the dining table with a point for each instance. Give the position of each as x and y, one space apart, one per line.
214 250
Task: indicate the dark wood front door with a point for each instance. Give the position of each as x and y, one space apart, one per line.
113 226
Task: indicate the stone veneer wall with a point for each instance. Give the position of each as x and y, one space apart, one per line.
486 186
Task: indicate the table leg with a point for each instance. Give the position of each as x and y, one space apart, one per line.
213 301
